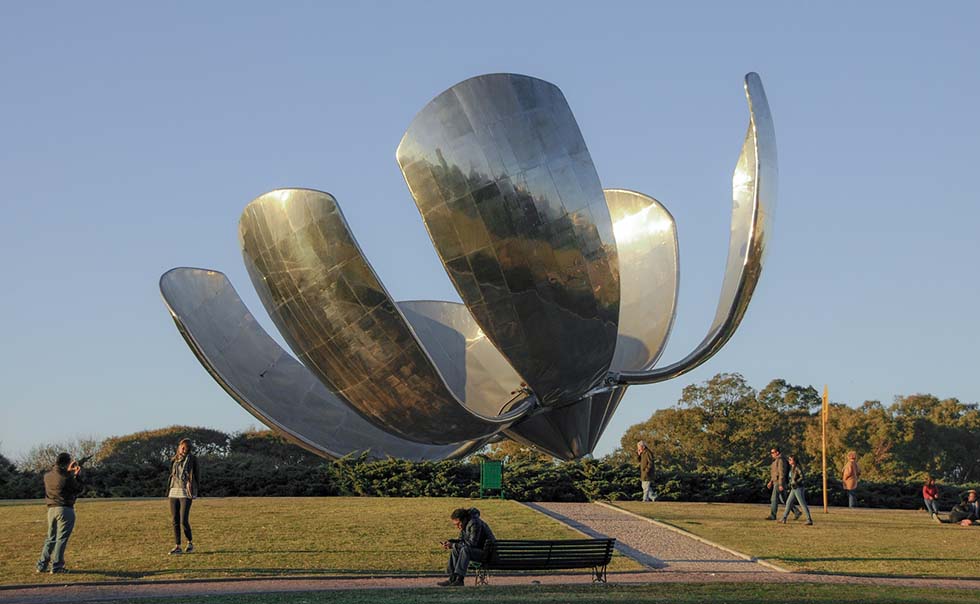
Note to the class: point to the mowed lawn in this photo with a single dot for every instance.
(250, 537)
(664, 593)
(854, 542)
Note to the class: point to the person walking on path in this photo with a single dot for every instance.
(797, 491)
(183, 489)
(852, 475)
(644, 456)
(62, 485)
(476, 542)
(930, 493)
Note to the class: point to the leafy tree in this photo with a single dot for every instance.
(158, 446)
(41, 457)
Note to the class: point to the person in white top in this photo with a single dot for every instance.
(183, 490)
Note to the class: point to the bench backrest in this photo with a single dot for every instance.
(568, 553)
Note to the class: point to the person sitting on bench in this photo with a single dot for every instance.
(475, 543)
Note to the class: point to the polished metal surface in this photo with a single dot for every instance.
(753, 204)
(337, 317)
(572, 431)
(570, 291)
(648, 269)
(510, 197)
(473, 368)
(269, 383)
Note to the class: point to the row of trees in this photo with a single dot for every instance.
(711, 446)
(725, 423)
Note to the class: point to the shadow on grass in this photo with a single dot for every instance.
(211, 574)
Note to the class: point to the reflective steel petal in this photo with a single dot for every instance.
(646, 238)
(510, 197)
(337, 317)
(472, 366)
(269, 383)
(754, 200)
(568, 432)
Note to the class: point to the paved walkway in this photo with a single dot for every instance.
(653, 545)
(672, 556)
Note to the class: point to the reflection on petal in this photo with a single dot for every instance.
(271, 385)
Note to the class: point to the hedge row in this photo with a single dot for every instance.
(239, 475)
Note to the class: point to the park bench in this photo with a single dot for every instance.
(513, 554)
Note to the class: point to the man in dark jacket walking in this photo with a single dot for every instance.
(476, 542)
(61, 487)
(778, 474)
(645, 458)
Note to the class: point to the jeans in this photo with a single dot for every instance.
(931, 506)
(796, 495)
(460, 556)
(775, 500)
(851, 498)
(181, 518)
(61, 521)
(648, 494)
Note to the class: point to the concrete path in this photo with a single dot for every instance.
(652, 544)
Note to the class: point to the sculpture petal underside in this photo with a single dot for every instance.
(473, 368)
(337, 317)
(753, 204)
(568, 432)
(269, 383)
(646, 240)
(511, 199)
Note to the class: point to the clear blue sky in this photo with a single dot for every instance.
(132, 135)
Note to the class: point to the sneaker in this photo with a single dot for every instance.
(448, 582)
(189, 548)
(176, 550)
(809, 523)
(41, 569)
(770, 517)
(783, 521)
(58, 571)
(797, 514)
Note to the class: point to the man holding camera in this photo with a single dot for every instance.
(61, 487)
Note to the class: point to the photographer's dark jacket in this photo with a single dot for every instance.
(61, 487)
(477, 534)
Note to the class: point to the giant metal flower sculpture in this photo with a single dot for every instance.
(569, 290)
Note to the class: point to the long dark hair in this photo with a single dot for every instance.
(190, 449)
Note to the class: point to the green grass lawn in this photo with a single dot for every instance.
(854, 542)
(715, 593)
(251, 537)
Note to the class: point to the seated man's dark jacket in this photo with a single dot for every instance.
(476, 534)
(61, 487)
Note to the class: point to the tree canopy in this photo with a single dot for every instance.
(724, 422)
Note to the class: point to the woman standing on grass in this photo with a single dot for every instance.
(183, 490)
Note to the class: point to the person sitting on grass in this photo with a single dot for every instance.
(930, 493)
(475, 542)
(966, 511)
(796, 491)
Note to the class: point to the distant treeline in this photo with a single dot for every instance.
(725, 423)
(262, 464)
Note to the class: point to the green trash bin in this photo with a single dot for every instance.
(492, 479)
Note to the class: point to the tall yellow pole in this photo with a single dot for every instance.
(823, 424)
